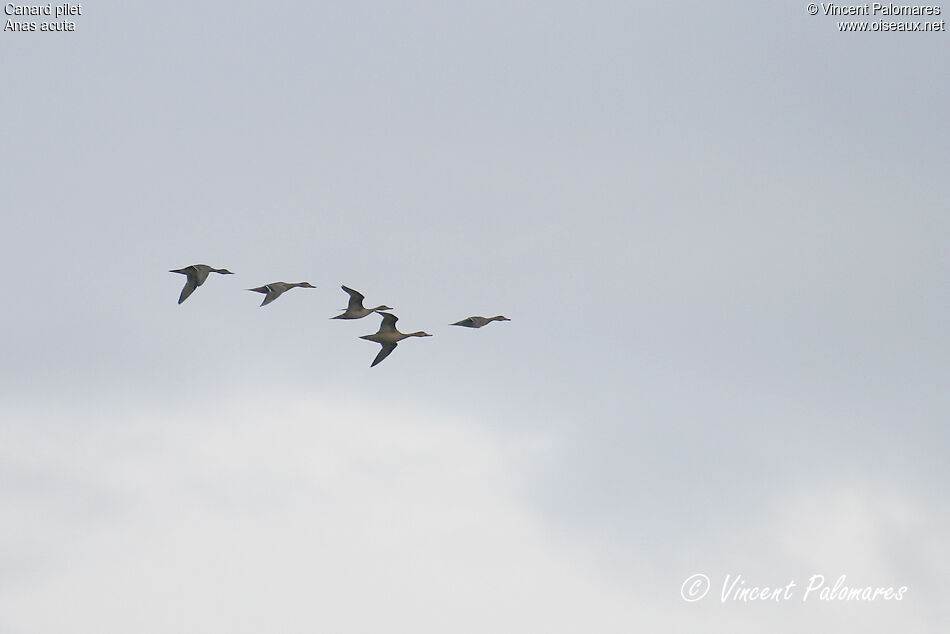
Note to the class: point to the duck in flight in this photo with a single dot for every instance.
(197, 274)
(354, 309)
(388, 336)
(276, 289)
(477, 321)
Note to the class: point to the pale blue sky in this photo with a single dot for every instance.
(720, 232)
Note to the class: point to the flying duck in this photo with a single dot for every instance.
(388, 336)
(354, 309)
(477, 321)
(197, 274)
(276, 289)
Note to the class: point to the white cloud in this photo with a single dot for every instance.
(295, 516)
(873, 534)
(287, 514)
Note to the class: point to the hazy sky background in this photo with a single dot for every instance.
(720, 232)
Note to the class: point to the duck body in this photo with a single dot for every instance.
(275, 289)
(388, 337)
(355, 309)
(478, 321)
(196, 274)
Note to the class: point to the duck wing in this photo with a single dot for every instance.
(384, 352)
(187, 290)
(389, 322)
(356, 298)
(190, 284)
(273, 292)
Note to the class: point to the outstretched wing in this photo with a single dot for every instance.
(389, 322)
(272, 294)
(384, 352)
(468, 323)
(190, 285)
(356, 298)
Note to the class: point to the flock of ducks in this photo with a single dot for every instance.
(387, 336)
